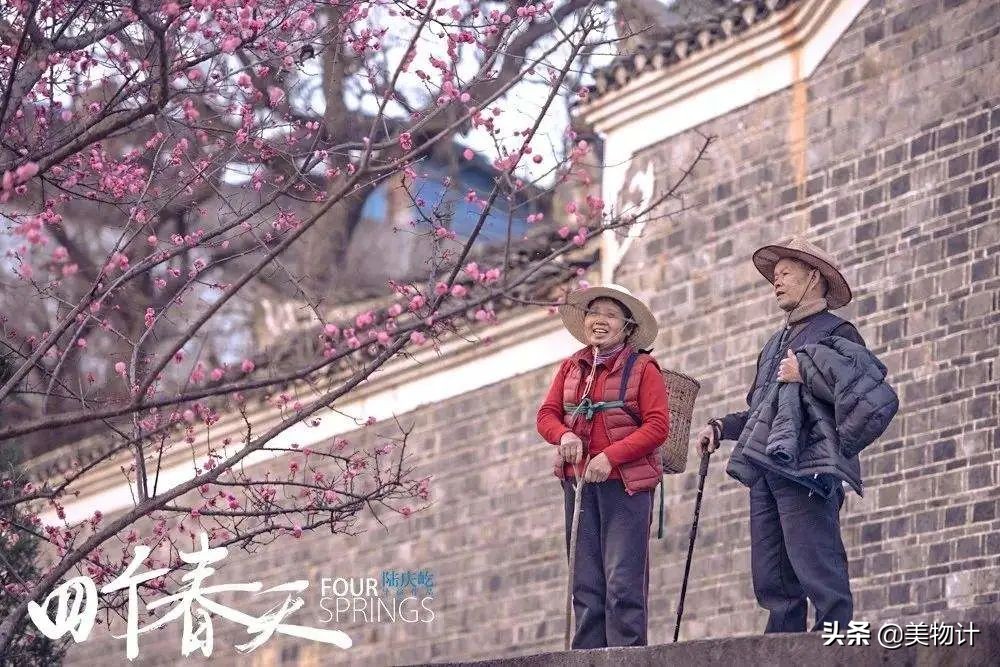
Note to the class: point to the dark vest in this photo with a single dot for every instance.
(811, 330)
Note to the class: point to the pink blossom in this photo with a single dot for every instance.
(331, 330)
(564, 231)
(405, 511)
(440, 289)
(297, 531)
(417, 302)
(120, 368)
(25, 172)
(395, 310)
(217, 374)
(458, 291)
(230, 44)
(468, 154)
(81, 343)
(247, 366)
(406, 141)
(275, 95)
(418, 338)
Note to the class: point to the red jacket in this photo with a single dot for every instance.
(642, 442)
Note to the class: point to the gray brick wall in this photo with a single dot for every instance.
(901, 184)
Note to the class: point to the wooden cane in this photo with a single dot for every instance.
(574, 527)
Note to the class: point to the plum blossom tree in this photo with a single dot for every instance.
(161, 161)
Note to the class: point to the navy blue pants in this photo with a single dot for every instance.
(796, 552)
(611, 581)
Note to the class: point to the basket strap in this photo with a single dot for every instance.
(629, 363)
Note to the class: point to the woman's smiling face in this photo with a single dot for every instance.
(604, 322)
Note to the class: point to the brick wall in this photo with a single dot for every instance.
(900, 182)
(901, 185)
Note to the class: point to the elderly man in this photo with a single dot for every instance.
(819, 397)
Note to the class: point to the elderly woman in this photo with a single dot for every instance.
(606, 412)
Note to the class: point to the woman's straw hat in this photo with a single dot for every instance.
(575, 308)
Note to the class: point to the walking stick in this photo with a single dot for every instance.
(577, 502)
(702, 474)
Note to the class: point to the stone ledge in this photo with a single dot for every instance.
(776, 650)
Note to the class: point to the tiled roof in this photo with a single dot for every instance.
(673, 45)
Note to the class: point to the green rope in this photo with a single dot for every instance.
(589, 408)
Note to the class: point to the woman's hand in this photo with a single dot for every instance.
(598, 469)
(571, 447)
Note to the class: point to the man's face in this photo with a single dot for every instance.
(791, 278)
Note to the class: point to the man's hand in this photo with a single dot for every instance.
(571, 447)
(707, 443)
(598, 469)
(788, 369)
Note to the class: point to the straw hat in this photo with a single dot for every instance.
(839, 292)
(574, 309)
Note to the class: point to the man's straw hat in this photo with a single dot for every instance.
(839, 292)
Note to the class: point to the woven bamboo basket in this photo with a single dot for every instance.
(682, 392)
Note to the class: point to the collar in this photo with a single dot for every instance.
(586, 356)
(807, 309)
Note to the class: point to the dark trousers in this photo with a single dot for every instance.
(796, 552)
(611, 580)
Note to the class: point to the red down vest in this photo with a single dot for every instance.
(643, 473)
